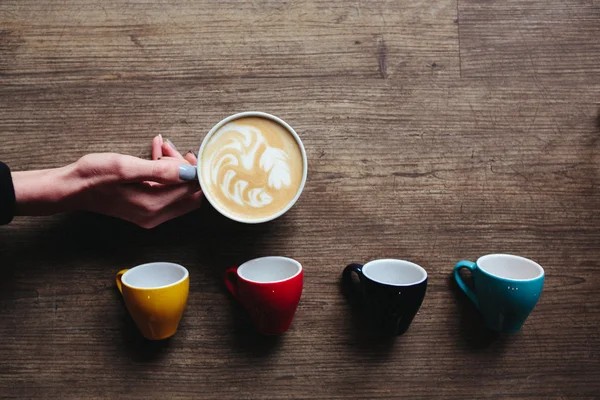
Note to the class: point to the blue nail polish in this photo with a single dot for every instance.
(187, 172)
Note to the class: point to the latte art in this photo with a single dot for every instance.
(247, 150)
(252, 166)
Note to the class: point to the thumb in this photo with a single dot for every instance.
(162, 171)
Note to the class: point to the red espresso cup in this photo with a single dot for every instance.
(269, 288)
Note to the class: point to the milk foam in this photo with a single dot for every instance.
(246, 153)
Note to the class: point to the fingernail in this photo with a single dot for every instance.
(192, 152)
(171, 144)
(161, 139)
(187, 172)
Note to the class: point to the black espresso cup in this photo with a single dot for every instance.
(391, 291)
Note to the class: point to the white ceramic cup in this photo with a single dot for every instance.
(262, 115)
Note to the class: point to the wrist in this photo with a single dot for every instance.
(45, 192)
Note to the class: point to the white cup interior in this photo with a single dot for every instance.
(507, 266)
(394, 272)
(269, 269)
(154, 275)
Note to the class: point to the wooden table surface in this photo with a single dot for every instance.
(436, 130)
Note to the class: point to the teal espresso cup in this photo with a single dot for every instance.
(506, 288)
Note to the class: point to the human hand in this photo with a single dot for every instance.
(166, 150)
(144, 192)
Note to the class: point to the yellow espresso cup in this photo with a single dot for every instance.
(155, 295)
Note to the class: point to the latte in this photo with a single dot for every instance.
(252, 168)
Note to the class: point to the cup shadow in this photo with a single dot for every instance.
(230, 244)
(364, 336)
(134, 345)
(474, 335)
(222, 243)
(204, 241)
(245, 340)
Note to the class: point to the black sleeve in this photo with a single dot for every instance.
(7, 195)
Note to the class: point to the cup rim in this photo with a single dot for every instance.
(294, 135)
(170, 264)
(395, 261)
(541, 272)
(255, 260)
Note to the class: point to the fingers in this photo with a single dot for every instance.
(187, 170)
(133, 169)
(169, 150)
(144, 192)
(182, 207)
(164, 148)
(157, 143)
(146, 206)
(191, 157)
(167, 159)
(156, 197)
(173, 159)
(150, 210)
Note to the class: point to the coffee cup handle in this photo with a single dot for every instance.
(118, 279)
(230, 280)
(347, 279)
(470, 265)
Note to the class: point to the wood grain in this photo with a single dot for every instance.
(530, 38)
(435, 131)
